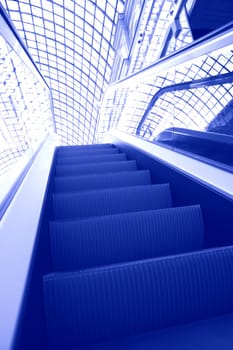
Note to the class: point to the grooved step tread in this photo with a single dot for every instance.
(95, 181)
(87, 153)
(214, 334)
(125, 237)
(111, 201)
(99, 304)
(64, 149)
(92, 158)
(90, 168)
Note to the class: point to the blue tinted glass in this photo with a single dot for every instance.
(25, 114)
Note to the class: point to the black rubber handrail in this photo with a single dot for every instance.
(175, 132)
(200, 157)
(219, 79)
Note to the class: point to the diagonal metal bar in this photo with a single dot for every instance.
(193, 84)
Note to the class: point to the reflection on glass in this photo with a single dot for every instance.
(25, 114)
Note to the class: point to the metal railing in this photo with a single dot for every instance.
(134, 86)
(219, 79)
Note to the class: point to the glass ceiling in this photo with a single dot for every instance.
(80, 48)
(72, 44)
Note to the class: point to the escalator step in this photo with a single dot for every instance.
(96, 181)
(99, 304)
(87, 152)
(111, 201)
(215, 333)
(64, 149)
(125, 237)
(91, 158)
(90, 168)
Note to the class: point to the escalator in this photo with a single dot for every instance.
(128, 244)
(130, 268)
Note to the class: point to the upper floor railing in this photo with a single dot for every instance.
(219, 79)
(165, 95)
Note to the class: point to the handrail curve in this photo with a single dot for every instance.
(219, 79)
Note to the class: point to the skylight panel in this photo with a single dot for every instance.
(99, 16)
(39, 24)
(107, 35)
(97, 36)
(15, 16)
(89, 18)
(29, 27)
(69, 35)
(89, 29)
(89, 7)
(47, 15)
(13, 5)
(101, 4)
(99, 26)
(107, 24)
(24, 8)
(79, 10)
(96, 45)
(50, 34)
(37, 11)
(110, 10)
